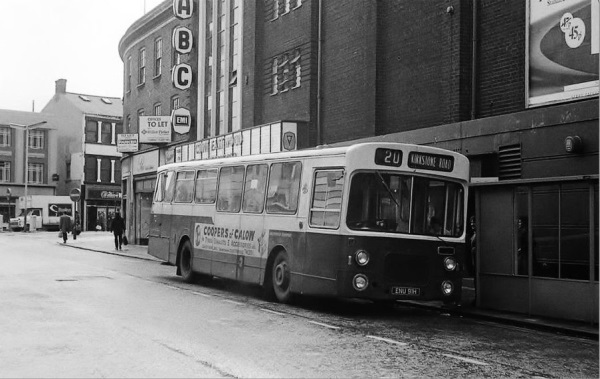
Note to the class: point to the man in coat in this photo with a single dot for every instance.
(118, 227)
(64, 225)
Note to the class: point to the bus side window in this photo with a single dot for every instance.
(231, 181)
(169, 187)
(206, 186)
(327, 199)
(254, 189)
(284, 188)
(159, 191)
(184, 187)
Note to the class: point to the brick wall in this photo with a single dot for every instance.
(501, 57)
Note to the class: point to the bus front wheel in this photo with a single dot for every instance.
(280, 277)
(185, 262)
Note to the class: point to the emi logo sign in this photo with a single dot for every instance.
(181, 119)
(289, 141)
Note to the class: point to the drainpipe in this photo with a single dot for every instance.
(474, 61)
(319, 69)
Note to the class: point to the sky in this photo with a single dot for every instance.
(42, 41)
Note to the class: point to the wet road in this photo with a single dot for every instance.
(74, 313)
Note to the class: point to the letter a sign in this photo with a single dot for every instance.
(183, 9)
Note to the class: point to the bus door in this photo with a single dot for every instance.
(160, 217)
(323, 241)
(251, 237)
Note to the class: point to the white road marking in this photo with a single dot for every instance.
(388, 340)
(324, 325)
(233, 302)
(201, 294)
(475, 362)
(270, 311)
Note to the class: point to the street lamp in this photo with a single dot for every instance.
(27, 128)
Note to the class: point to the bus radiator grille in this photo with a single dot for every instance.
(406, 269)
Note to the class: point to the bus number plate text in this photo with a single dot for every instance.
(406, 291)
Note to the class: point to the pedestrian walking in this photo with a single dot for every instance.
(118, 227)
(64, 225)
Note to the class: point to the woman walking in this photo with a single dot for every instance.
(118, 227)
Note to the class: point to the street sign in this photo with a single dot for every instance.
(75, 194)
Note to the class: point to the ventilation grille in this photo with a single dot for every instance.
(509, 162)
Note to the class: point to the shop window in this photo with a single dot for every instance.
(574, 231)
(254, 189)
(521, 233)
(327, 199)
(231, 180)
(184, 187)
(545, 231)
(284, 188)
(206, 186)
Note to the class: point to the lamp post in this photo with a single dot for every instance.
(8, 195)
(26, 175)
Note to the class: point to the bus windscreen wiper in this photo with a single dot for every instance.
(387, 188)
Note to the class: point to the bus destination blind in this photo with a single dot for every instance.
(434, 162)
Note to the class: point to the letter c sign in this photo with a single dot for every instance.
(182, 76)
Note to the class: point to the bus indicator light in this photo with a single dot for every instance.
(450, 264)
(447, 287)
(362, 257)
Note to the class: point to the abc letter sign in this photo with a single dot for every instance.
(182, 40)
(183, 9)
(182, 76)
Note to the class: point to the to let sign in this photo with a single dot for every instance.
(155, 129)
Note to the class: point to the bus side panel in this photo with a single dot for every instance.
(252, 248)
(218, 239)
(321, 262)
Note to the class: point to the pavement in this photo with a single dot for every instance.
(103, 242)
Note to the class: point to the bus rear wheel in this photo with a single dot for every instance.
(280, 277)
(185, 262)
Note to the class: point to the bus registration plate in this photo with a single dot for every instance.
(406, 291)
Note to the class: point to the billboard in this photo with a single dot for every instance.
(563, 50)
(155, 129)
(127, 142)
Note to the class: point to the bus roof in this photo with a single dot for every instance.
(353, 152)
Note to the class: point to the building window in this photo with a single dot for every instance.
(36, 139)
(35, 173)
(142, 67)
(4, 171)
(129, 68)
(174, 103)
(158, 57)
(275, 76)
(275, 9)
(68, 170)
(157, 109)
(286, 73)
(107, 128)
(296, 70)
(5, 137)
(91, 131)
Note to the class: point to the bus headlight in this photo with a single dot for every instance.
(447, 287)
(450, 264)
(362, 257)
(360, 282)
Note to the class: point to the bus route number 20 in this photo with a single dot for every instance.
(388, 157)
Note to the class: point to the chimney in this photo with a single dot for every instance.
(61, 86)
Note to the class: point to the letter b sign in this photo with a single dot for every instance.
(182, 40)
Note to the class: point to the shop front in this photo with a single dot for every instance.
(101, 204)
